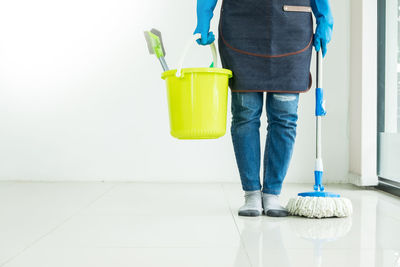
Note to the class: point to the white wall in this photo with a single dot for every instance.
(81, 99)
(363, 94)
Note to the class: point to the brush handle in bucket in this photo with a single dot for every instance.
(190, 43)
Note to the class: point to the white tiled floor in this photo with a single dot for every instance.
(154, 224)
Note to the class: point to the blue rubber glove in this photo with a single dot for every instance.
(205, 10)
(324, 18)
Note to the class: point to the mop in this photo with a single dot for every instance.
(319, 203)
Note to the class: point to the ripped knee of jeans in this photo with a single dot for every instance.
(284, 97)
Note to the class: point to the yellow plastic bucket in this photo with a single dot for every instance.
(197, 100)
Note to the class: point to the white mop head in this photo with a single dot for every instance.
(320, 207)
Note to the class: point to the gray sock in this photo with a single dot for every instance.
(272, 207)
(252, 205)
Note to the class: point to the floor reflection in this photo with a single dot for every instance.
(370, 237)
(320, 232)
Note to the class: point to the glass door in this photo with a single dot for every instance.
(389, 92)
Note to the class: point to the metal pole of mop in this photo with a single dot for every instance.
(318, 118)
(319, 112)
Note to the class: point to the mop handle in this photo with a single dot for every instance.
(319, 70)
(319, 112)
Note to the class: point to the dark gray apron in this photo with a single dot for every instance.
(267, 48)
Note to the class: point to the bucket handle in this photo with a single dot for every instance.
(187, 47)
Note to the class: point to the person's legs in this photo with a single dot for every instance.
(282, 122)
(246, 111)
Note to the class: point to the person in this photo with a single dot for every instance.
(267, 44)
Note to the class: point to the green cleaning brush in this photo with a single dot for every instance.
(155, 46)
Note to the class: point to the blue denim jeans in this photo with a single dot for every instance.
(282, 122)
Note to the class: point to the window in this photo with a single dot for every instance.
(389, 93)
